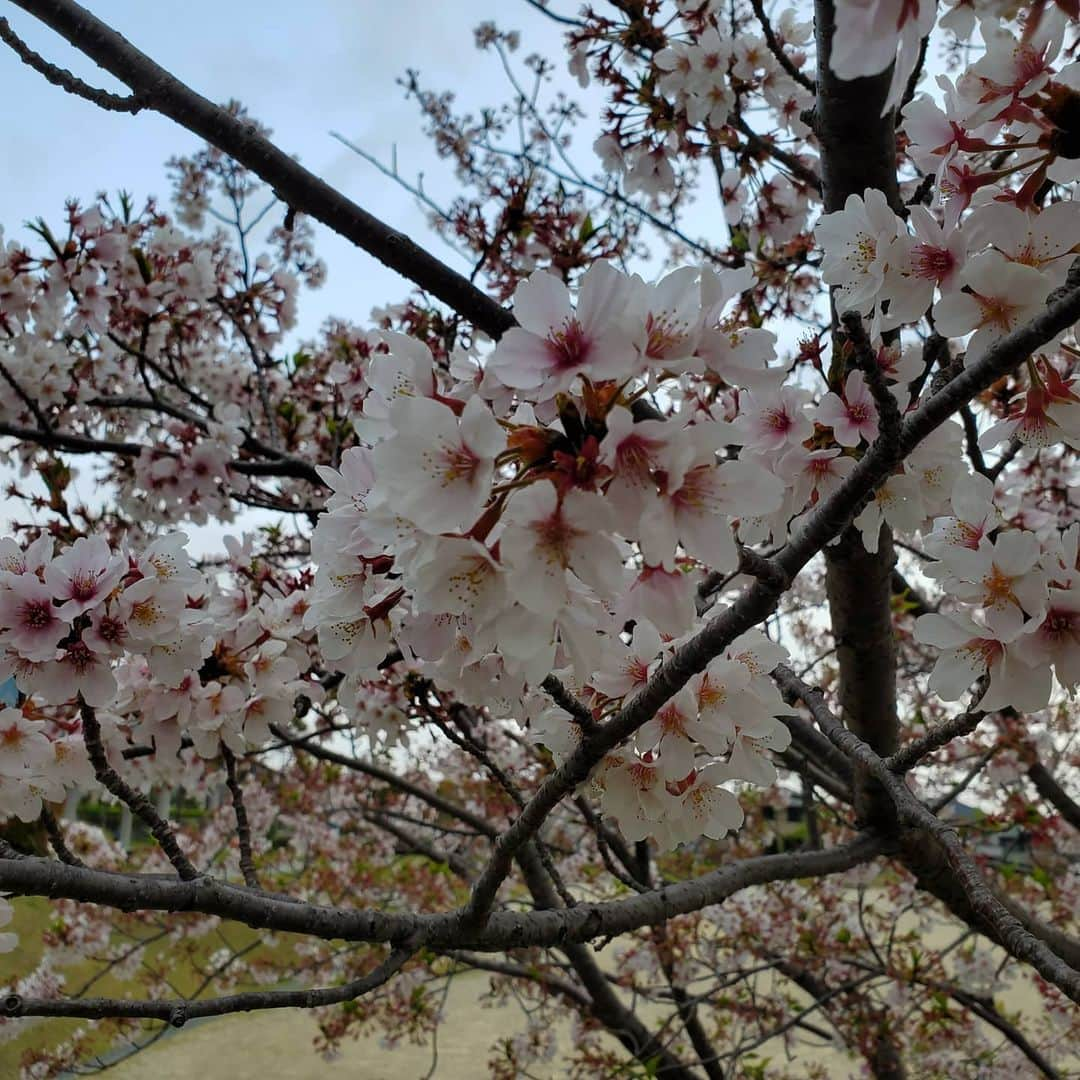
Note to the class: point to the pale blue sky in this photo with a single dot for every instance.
(302, 69)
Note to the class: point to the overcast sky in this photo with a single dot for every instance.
(302, 69)
(330, 65)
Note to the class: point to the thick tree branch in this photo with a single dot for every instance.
(158, 90)
(1003, 925)
(1054, 793)
(32, 876)
(138, 803)
(58, 76)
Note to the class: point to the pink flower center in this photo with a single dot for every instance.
(83, 587)
(569, 347)
(36, 614)
(777, 420)
(932, 263)
(1059, 624)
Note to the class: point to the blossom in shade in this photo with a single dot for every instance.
(29, 621)
(852, 417)
(84, 575)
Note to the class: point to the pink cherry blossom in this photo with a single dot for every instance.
(84, 575)
(29, 621)
(852, 417)
(556, 341)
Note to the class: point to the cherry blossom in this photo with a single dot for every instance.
(557, 341)
(1000, 296)
(856, 241)
(437, 472)
(547, 535)
(29, 622)
(852, 417)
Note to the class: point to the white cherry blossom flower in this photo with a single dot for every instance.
(84, 575)
(872, 35)
(555, 341)
(697, 513)
(969, 651)
(1001, 296)
(29, 621)
(1003, 578)
(856, 240)
(547, 535)
(852, 417)
(628, 668)
(932, 258)
(433, 470)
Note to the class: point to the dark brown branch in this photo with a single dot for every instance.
(1054, 793)
(178, 1013)
(52, 439)
(243, 828)
(762, 145)
(971, 441)
(1003, 925)
(58, 76)
(135, 800)
(162, 92)
(32, 876)
(74, 444)
(956, 727)
(566, 701)
(436, 802)
(56, 839)
(777, 49)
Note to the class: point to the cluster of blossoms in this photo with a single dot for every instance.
(161, 652)
(687, 91)
(152, 343)
(1018, 594)
(696, 76)
(511, 517)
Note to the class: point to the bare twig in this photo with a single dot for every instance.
(243, 828)
(139, 804)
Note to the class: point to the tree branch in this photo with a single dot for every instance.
(1006, 929)
(33, 876)
(58, 76)
(139, 804)
(178, 1013)
(157, 89)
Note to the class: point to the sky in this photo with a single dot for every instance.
(329, 65)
